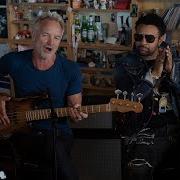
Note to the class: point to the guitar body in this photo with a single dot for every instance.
(16, 110)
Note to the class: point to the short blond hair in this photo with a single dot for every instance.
(49, 16)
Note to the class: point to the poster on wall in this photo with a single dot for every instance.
(3, 23)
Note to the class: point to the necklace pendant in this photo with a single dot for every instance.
(163, 104)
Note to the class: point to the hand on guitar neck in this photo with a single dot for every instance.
(76, 114)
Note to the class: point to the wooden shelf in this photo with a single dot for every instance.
(104, 46)
(99, 88)
(29, 42)
(62, 6)
(3, 40)
(98, 10)
(22, 22)
(92, 70)
(104, 75)
(90, 90)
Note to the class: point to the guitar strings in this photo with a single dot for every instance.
(17, 119)
(46, 112)
(28, 116)
(20, 114)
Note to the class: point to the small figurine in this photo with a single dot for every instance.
(134, 10)
(23, 34)
(87, 4)
(110, 4)
(96, 5)
(103, 4)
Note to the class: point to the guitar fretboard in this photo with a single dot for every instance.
(62, 112)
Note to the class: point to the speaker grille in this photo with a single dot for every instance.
(95, 121)
(98, 158)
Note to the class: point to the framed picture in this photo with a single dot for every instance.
(3, 23)
(134, 10)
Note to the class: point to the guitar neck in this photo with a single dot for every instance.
(20, 111)
(63, 112)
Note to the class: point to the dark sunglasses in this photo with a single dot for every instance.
(149, 37)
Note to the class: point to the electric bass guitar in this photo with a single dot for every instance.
(21, 111)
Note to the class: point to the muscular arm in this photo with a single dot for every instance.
(74, 99)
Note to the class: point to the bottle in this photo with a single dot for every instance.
(84, 29)
(29, 14)
(105, 28)
(98, 25)
(103, 4)
(77, 25)
(123, 35)
(91, 30)
(113, 30)
(128, 35)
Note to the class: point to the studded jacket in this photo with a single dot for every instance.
(130, 73)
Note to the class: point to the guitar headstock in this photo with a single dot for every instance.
(126, 105)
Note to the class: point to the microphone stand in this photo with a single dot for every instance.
(54, 118)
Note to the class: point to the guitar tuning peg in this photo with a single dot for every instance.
(125, 94)
(139, 96)
(117, 92)
(132, 96)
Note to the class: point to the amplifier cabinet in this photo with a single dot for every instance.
(97, 159)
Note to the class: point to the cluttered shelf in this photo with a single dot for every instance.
(98, 81)
(105, 31)
(21, 17)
